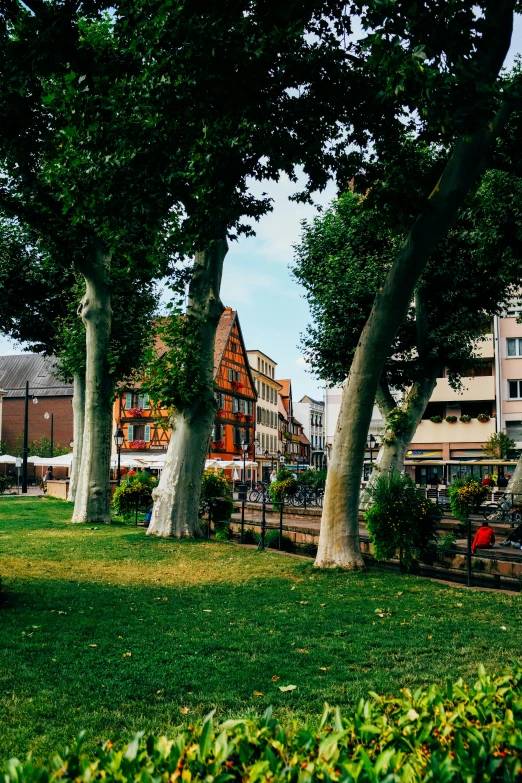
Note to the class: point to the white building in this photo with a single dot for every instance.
(263, 372)
(310, 413)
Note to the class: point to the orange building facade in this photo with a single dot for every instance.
(146, 425)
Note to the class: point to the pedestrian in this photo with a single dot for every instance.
(48, 476)
(484, 537)
(273, 476)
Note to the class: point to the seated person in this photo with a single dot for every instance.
(502, 481)
(488, 481)
(484, 537)
(514, 538)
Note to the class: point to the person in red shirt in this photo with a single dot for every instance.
(484, 537)
(487, 481)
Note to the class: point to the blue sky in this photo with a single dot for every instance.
(257, 281)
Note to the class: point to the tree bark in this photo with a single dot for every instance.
(515, 482)
(176, 498)
(79, 421)
(92, 502)
(339, 544)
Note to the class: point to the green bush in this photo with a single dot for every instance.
(249, 536)
(313, 478)
(466, 496)
(6, 482)
(272, 541)
(400, 519)
(285, 485)
(130, 489)
(216, 488)
(454, 734)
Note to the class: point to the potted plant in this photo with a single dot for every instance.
(451, 419)
(465, 418)
(483, 417)
(221, 412)
(436, 419)
(137, 444)
(135, 412)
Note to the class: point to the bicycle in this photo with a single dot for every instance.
(256, 494)
(503, 511)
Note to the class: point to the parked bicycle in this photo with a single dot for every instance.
(503, 511)
(257, 493)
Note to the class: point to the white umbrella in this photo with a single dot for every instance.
(64, 461)
(6, 459)
(235, 475)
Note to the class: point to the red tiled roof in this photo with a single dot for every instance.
(226, 322)
(285, 390)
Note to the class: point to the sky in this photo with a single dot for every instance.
(257, 278)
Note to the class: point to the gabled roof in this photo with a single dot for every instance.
(307, 398)
(225, 325)
(41, 372)
(285, 387)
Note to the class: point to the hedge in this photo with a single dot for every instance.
(455, 733)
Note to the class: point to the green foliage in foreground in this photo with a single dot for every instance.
(457, 733)
(130, 490)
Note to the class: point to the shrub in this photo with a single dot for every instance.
(272, 541)
(498, 445)
(483, 417)
(130, 489)
(249, 536)
(436, 419)
(285, 485)
(447, 734)
(465, 418)
(401, 519)
(217, 489)
(222, 530)
(6, 482)
(451, 419)
(466, 496)
(313, 478)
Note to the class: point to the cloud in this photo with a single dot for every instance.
(302, 362)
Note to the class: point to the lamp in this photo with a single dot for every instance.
(50, 416)
(119, 438)
(371, 443)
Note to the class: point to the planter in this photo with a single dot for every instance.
(136, 412)
(436, 419)
(221, 412)
(483, 417)
(219, 445)
(465, 418)
(451, 419)
(137, 444)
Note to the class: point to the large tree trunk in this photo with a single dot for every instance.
(92, 502)
(176, 498)
(79, 421)
(515, 482)
(339, 544)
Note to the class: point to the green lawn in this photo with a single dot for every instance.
(111, 631)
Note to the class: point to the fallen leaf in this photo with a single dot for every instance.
(430, 637)
(459, 604)
(323, 669)
(165, 599)
(286, 688)
(503, 628)
(303, 651)
(62, 612)
(275, 678)
(158, 691)
(207, 610)
(304, 602)
(258, 693)
(400, 592)
(126, 655)
(323, 604)
(184, 710)
(93, 645)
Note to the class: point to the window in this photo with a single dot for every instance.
(144, 401)
(235, 405)
(515, 390)
(258, 415)
(514, 430)
(128, 400)
(263, 441)
(139, 432)
(250, 407)
(238, 376)
(263, 392)
(237, 436)
(514, 346)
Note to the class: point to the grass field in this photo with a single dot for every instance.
(108, 630)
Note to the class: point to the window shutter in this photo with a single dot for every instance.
(250, 407)
(128, 400)
(147, 433)
(258, 415)
(223, 400)
(130, 432)
(231, 375)
(235, 407)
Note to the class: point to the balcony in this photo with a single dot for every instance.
(472, 431)
(485, 348)
(481, 388)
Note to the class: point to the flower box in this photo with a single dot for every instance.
(219, 445)
(436, 419)
(221, 412)
(135, 412)
(483, 417)
(465, 418)
(239, 415)
(137, 444)
(451, 419)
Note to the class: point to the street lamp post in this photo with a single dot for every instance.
(119, 438)
(266, 455)
(51, 416)
(371, 443)
(244, 447)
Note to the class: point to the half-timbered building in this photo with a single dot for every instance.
(146, 425)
